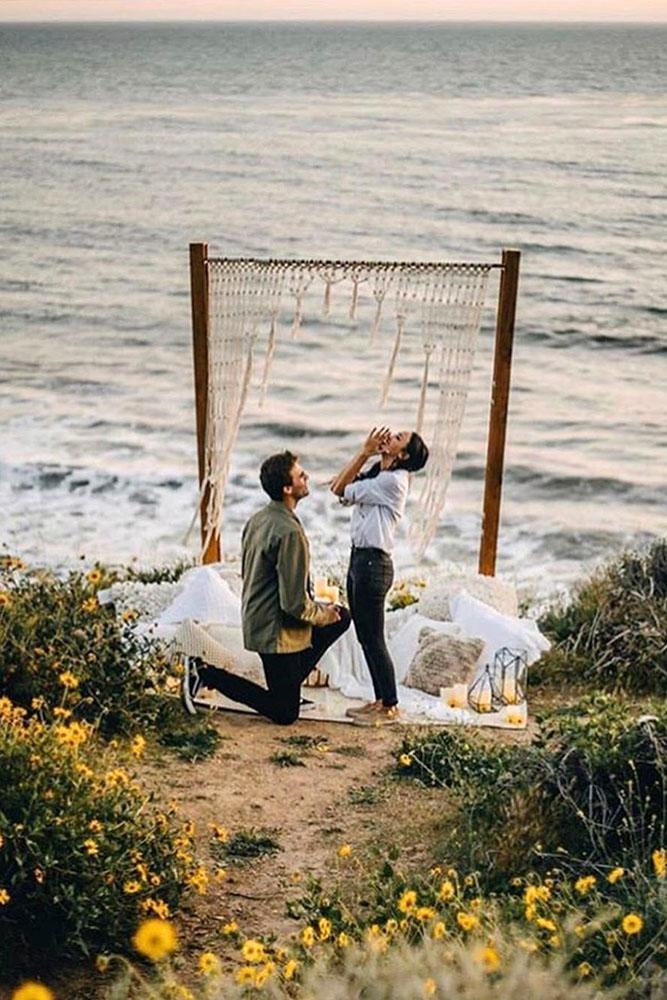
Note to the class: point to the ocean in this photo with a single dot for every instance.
(120, 144)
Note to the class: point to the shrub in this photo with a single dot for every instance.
(613, 631)
(477, 970)
(58, 643)
(590, 791)
(83, 852)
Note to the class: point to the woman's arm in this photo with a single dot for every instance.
(371, 446)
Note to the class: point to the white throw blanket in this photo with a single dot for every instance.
(202, 617)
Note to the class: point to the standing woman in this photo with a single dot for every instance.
(378, 497)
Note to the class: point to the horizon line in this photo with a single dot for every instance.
(335, 21)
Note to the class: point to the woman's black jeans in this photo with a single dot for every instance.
(369, 580)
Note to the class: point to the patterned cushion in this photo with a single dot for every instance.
(442, 660)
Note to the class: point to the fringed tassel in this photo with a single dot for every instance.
(422, 394)
(378, 319)
(326, 305)
(355, 299)
(200, 497)
(392, 362)
(268, 359)
(298, 316)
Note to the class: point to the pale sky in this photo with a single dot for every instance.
(426, 10)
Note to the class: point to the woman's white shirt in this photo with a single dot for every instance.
(379, 504)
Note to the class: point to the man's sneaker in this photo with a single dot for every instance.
(368, 709)
(380, 717)
(191, 684)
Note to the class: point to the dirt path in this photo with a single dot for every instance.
(309, 809)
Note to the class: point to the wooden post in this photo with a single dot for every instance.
(502, 369)
(199, 301)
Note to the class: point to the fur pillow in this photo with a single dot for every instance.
(490, 590)
(442, 660)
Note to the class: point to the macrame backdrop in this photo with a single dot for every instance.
(438, 305)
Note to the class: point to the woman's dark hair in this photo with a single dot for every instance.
(417, 454)
(276, 473)
(416, 460)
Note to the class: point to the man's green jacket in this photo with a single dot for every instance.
(278, 612)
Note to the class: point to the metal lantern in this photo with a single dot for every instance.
(484, 695)
(510, 674)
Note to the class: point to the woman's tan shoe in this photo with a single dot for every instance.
(382, 716)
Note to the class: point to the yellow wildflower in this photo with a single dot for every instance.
(467, 921)
(209, 964)
(91, 847)
(199, 880)
(632, 924)
(4, 897)
(68, 680)
(342, 940)
(189, 829)
(130, 615)
(90, 605)
(536, 893)
(37, 703)
(102, 963)
(585, 969)
(324, 928)
(489, 958)
(290, 969)
(430, 987)
(93, 576)
(446, 891)
(156, 906)
(131, 887)
(555, 941)
(344, 851)
(245, 976)
(138, 745)
(5, 599)
(155, 939)
(439, 931)
(230, 928)
(408, 901)
(584, 884)
(615, 874)
(263, 974)
(95, 826)
(220, 874)
(405, 760)
(425, 913)
(659, 859)
(253, 951)
(220, 833)
(391, 927)
(32, 991)
(308, 937)
(546, 925)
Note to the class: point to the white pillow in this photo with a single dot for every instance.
(435, 601)
(497, 630)
(205, 597)
(219, 646)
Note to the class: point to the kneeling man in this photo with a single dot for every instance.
(281, 621)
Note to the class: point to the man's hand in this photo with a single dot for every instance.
(331, 615)
(375, 441)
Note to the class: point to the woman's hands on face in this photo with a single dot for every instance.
(376, 441)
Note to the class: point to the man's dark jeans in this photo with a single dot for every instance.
(369, 580)
(284, 672)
